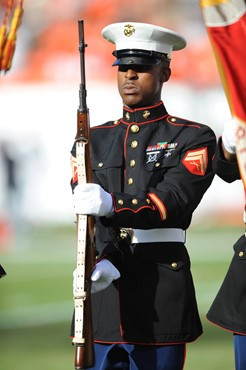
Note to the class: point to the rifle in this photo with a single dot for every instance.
(83, 331)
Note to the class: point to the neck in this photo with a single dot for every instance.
(141, 106)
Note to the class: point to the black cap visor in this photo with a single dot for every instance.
(138, 57)
(135, 61)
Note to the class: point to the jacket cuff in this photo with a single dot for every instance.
(127, 202)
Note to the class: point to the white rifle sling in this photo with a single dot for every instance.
(79, 289)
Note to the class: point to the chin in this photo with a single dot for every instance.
(132, 103)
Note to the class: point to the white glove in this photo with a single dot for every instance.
(103, 275)
(229, 136)
(92, 199)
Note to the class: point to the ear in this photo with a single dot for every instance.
(166, 73)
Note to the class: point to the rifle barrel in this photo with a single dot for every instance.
(84, 346)
(82, 46)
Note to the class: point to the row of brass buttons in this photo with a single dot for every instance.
(134, 201)
(134, 144)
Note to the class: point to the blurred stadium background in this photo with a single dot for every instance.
(38, 103)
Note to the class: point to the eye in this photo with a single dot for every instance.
(137, 68)
(123, 68)
(143, 68)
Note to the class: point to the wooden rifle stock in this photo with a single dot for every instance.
(83, 331)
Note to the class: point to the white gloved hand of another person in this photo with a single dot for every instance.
(103, 275)
(92, 199)
(229, 136)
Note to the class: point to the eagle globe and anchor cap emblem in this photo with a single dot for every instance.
(128, 30)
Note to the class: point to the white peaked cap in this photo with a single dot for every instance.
(143, 36)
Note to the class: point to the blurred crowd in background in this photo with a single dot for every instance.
(39, 99)
(47, 38)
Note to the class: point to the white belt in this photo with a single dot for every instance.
(158, 235)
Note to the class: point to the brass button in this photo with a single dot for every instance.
(157, 164)
(148, 201)
(128, 116)
(174, 265)
(100, 164)
(132, 163)
(130, 181)
(173, 119)
(134, 201)
(146, 114)
(120, 202)
(241, 254)
(134, 144)
(134, 129)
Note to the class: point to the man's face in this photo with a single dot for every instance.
(140, 85)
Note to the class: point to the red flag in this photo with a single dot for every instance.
(225, 21)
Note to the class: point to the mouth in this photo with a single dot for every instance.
(129, 88)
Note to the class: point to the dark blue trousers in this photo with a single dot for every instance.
(139, 357)
(240, 351)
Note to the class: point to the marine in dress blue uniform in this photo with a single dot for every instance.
(151, 170)
(229, 306)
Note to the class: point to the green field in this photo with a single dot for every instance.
(36, 299)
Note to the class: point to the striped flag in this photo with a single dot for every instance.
(225, 21)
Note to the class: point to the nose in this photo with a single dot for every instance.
(131, 74)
